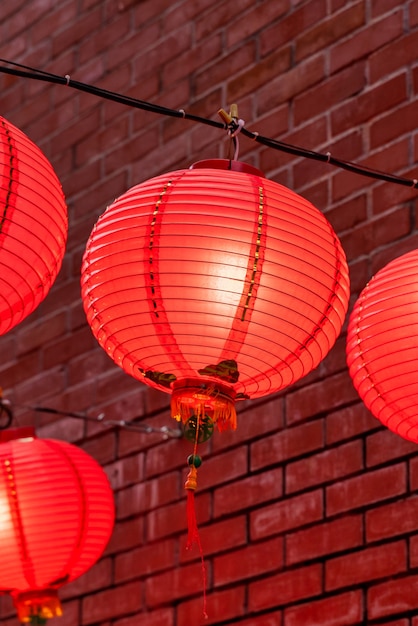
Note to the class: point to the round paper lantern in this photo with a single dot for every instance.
(56, 517)
(382, 346)
(33, 226)
(214, 284)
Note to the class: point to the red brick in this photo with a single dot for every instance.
(175, 584)
(161, 617)
(116, 601)
(248, 492)
(369, 104)
(222, 605)
(287, 444)
(393, 57)
(323, 467)
(126, 471)
(185, 11)
(75, 31)
(104, 40)
(291, 82)
(144, 496)
(222, 468)
(102, 448)
(184, 64)
(218, 538)
(382, 230)
(35, 335)
(366, 489)
(126, 535)
(252, 561)
(340, 610)
(216, 17)
(314, 399)
(413, 472)
(258, 74)
(97, 577)
(366, 40)
(385, 446)
(16, 372)
(286, 587)
(272, 619)
(171, 519)
(286, 515)
(413, 551)
(254, 19)
(309, 135)
(384, 197)
(391, 159)
(324, 539)
(67, 347)
(254, 420)
(327, 31)
(365, 565)
(414, 13)
(349, 422)
(392, 519)
(394, 596)
(145, 560)
(288, 28)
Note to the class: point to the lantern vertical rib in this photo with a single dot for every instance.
(256, 253)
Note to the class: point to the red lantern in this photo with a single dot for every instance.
(382, 346)
(214, 284)
(56, 517)
(33, 226)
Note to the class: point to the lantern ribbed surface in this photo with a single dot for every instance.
(211, 274)
(56, 514)
(33, 226)
(382, 346)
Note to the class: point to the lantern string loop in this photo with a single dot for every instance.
(25, 71)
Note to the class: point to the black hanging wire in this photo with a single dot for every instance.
(25, 71)
(6, 419)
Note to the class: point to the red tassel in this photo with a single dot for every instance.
(193, 536)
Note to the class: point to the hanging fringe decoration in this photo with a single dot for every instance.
(194, 461)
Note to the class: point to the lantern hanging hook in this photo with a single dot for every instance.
(6, 414)
(233, 125)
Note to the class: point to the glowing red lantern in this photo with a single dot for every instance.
(382, 346)
(33, 226)
(214, 284)
(56, 517)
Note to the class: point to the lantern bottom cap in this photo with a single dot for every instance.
(36, 605)
(203, 397)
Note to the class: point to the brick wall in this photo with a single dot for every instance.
(309, 512)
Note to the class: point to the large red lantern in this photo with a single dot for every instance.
(33, 226)
(214, 284)
(56, 517)
(382, 346)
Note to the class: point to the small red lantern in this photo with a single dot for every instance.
(33, 226)
(56, 517)
(214, 284)
(382, 346)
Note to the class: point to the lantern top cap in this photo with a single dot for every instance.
(27, 432)
(227, 164)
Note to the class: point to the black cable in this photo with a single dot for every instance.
(131, 425)
(28, 72)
